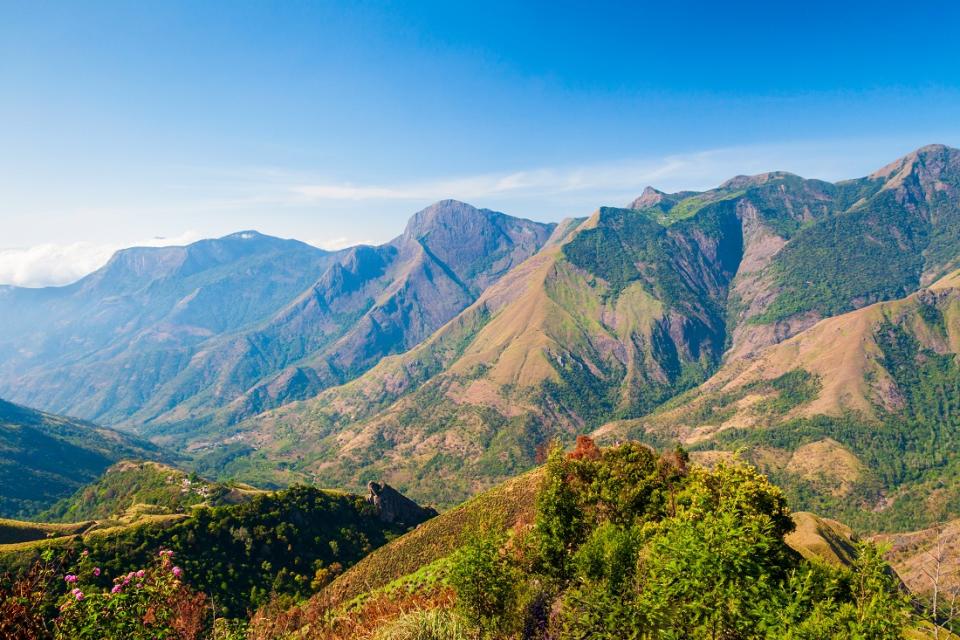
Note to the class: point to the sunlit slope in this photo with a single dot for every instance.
(858, 411)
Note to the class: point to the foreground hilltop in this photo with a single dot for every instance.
(609, 544)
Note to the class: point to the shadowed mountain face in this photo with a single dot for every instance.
(223, 328)
(616, 315)
(44, 457)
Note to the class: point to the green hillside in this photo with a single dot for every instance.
(287, 543)
(128, 488)
(855, 417)
(44, 457)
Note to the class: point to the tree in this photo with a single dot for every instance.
(559, 525)
(486, 582)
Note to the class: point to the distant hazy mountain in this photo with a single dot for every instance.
(616, 315)
(44, 457)
(224, 328)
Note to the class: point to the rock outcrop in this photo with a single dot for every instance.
(393, 506)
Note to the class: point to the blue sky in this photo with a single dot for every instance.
(333, 122)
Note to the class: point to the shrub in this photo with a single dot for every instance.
(26, 601)
(148, 604)
(486, 582)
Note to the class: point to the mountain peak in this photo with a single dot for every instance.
(932, 160)
(649, 198)
(249, 234)
(441, 212)
(744, 182)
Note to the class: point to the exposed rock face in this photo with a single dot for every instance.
(393, 506)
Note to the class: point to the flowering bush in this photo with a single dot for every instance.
(148, 604)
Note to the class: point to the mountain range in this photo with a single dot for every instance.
(225, 328)
(623, 311)
(810, 326)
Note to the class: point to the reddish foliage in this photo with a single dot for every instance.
(190, 614)
(586, 449)
(25, 602)
(542, 452)
(325, 623)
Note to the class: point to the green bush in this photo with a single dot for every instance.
(148, 604)
(486, 582)
(629, 544)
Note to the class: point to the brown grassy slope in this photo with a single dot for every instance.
(502, 507)
(821, 538)
(18, 531)
(916, 555)
(842, 352)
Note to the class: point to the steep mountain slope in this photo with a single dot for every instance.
(44, 457)
(372, 302)
(927, 559)
(614, 316)
(101, 347)
(224, 328)
(855, 416)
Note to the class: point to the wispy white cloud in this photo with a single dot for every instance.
(55, 264)
(696, 170)
(527, 183)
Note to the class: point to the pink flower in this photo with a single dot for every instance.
(96, 571)
(77, 594)
(116, 589)
(85, 553)
(70, 578)
(141, 573)
(177, 571)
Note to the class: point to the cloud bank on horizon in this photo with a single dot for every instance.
(51, 264)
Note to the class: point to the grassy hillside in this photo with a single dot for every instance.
(855, 417)
(128, 488)
(505, 507)
(44, 457)
(19, 531)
